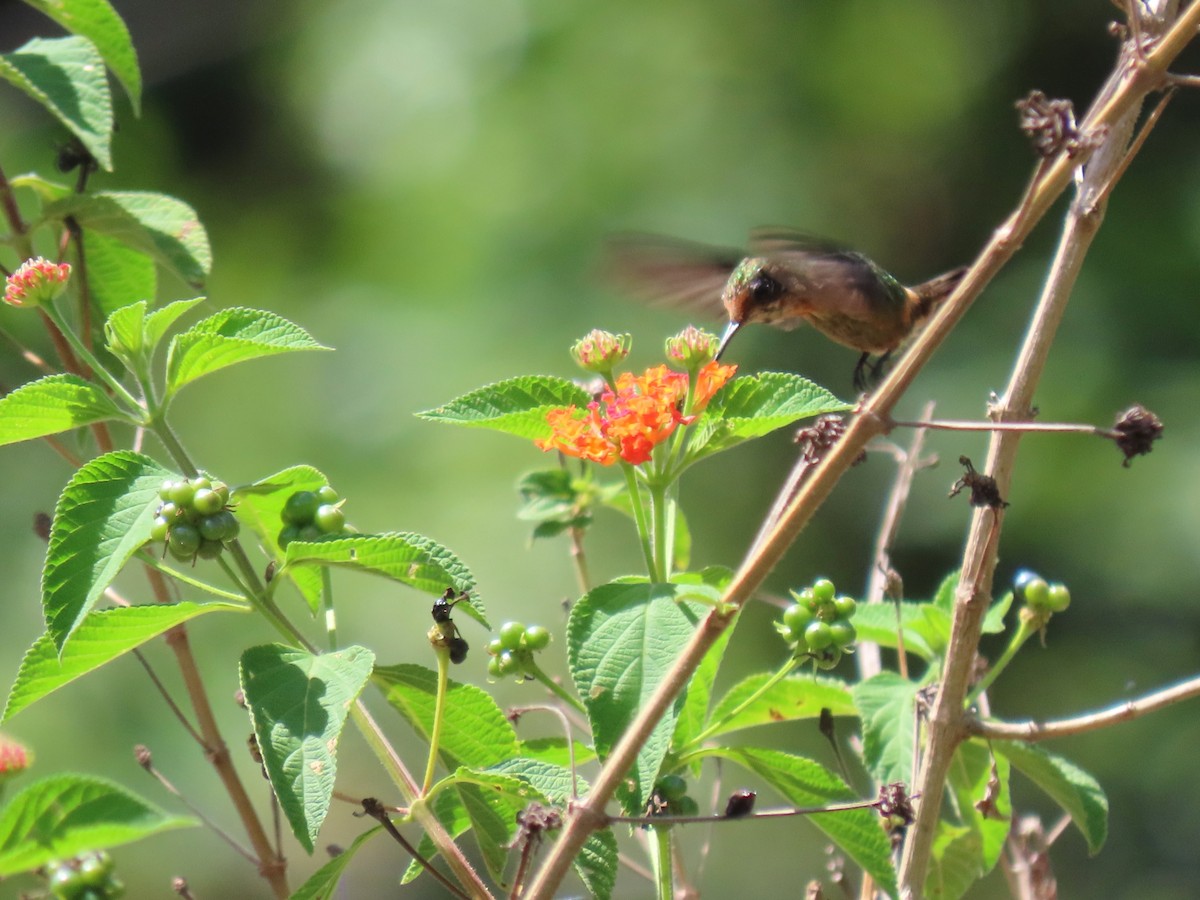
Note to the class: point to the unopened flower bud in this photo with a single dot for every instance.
(14, 758)
(35, 282)
(692, 348)
(599, 350)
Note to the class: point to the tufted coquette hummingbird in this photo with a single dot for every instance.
(785, 279)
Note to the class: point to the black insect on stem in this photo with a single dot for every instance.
(445, 632)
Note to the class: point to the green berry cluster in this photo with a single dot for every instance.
(1042, 597)
(818, 624)
(310, 515)
(86, 877)
(670, 798)
(194, 518)
(512, 650)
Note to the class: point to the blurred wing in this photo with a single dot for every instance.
(773, 240)
(826, 264)
(664, 271)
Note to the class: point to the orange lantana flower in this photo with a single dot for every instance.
(629, 422)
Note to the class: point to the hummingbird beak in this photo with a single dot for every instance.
(730, 330)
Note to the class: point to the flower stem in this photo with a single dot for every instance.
(640, 520)
(89, 358)
(439, 715)
(660, 854)
(1024, 632)
(783, 672)
(555, 688)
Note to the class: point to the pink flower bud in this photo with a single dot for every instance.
(35, 282)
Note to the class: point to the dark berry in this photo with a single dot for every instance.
(458, 649)
(183, 539)
(300, 508)
(222, 526)
(287, 534)
(209, 549)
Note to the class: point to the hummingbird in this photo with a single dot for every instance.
(784, 279)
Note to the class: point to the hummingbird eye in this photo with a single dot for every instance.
(764, 288)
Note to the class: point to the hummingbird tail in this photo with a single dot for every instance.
(932, 292)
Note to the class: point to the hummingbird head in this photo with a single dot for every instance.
(752, 294)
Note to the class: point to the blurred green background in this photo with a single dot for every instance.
(425, 187)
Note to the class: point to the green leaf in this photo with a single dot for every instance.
(66, 76)
(975, 783)
(554, 750)
(885, 704)
(448, 808)
(926, 627)
(117, 274)
(298, 704)
(1077, 792)
(492, 802)
(517, 406)
(804, 783)
(753, 405)
(162, 227)
(621, 640)
(228, 337)
(102, 518)
(597, 863)
(954, 862)
(52, 405)
(97, 21)
(102, 636)
(693, 712)
(476, 734)
(411, 559)
(795, 697)
(124, 331)
(258, 507)
(322, 885)
(160, 320)
(993, 622)
(65, 815)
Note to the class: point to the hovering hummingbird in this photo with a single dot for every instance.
(785, 279)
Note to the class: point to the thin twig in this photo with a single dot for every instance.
(376, 810)
(166, 695)
(1023, 427)
(518, 711)
(1034, 730)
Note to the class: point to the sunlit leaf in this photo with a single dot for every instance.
(886, 705)
(52, 405)
(517, 406)
(1077, 792)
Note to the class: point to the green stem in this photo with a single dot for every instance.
(166, 434)
(662, 510)
(1025, 630)
(439, 710)
(714, 727)
(660, 855)
(640, 519)
(87, 356)
(555, 688)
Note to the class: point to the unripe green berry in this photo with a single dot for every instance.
(511, 634)
(494, 647)
(169, 511)
(818, 635)
(844, 634)
(493, 667)
(183, 539)
(206, 501)
(310, 533)
(797, 617)
(685, 806)
(327, 494)
(222, 491)
(1058, 598)
(537, 637)
(845, 607)
(671, 788)
(209, 549)
(1036, 593)
(329, 518)
(222, 526)
(823, 590)
(182, 493)
(287, 534)
(828, 658)
(300, 508)
(164, 490)
(159, 529)
(508, 663)
(806, 598)
(200, 483)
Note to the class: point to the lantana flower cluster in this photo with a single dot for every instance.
(36, 281)
(635, 413)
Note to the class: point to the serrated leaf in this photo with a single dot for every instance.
(47, 190)
(693, 712)
(554, 750)
(162, 227)
(117, 274)
(97, 21)
(1077, 792)
(322, 885)
(954, 862)
(805, 783)
(597, 863)
(102, 518)
(516, 406)
(886, 706)
(298, 704)
(970, 781)
(52, 405)
(66, 76)
(228, 337)
(124, 330)
(411, 559)
(258, 507)
(621, 640)
(993, 622)
(792, 698)
(926, 627)
(161, 319)
(102, 636)
(64, 815)
(477, 734)
(753, 405)
(492, 802)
